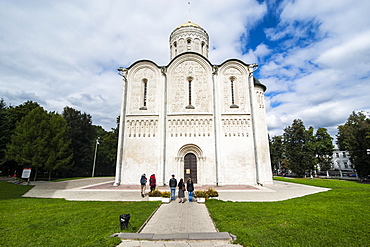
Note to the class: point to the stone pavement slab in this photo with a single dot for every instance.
(179, 243)
(188, 217)
(176, 236)
(210, 236)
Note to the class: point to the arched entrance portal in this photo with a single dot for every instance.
(190, 159)
(190, 167)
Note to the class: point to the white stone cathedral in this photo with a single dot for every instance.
(192, 118)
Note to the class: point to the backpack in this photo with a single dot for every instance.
(143, 180)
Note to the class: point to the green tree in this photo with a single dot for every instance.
(59, 145)
(354, 136)
(324, 149)
(294, 145)
(106, 161)
(309, 149)
(29, 144)
(83, 139)
(276, 152)
(40, 140)
(5, 131)
(10, 117)
(18, 112)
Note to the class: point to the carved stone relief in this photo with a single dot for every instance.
(235, 127)
(190, 127)
(179, 88)
(142, 127)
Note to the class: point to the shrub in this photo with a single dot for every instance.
(200, 194)
(155, 193)
(211, 193)
(166, 194)
(205, 193)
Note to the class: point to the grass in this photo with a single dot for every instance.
(57, 222)
(339, 217)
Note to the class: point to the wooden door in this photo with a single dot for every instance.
(190, 167)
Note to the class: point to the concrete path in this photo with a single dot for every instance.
(174, 217)
(178, 224)
(102, 189)
(173, 224)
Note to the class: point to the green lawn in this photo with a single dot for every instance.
(339, 217)
(57, 222)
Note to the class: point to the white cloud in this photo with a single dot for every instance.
(323, 81)
(65, 53)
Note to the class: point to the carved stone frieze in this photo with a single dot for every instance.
(236, 127)
(190, 127)
(141, 127)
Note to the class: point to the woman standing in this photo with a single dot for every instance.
(181, 194)
(152, 182)
(190, 187)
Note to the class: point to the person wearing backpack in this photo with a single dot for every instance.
(143, 184)
(152, 182)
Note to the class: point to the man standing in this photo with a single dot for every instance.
(173, 184)
(143, 184)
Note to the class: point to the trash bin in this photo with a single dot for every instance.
(124, 220)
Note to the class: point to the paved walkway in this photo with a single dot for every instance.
(195, 219)
(102, 189)
(173, 224)
(178, 224)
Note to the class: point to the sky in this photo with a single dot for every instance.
(313, 55)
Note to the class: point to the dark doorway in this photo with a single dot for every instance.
(190, 167)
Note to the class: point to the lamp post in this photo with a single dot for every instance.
(96, 149)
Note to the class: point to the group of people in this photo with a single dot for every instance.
(152, 183)
(182, 187)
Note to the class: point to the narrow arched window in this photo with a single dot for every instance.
(189, 44)
(190, 79)
(145, 92)
(175, 48)
(233, 105)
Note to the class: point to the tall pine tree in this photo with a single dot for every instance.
(82, 134)
(60, 146)
(295, 137)
(29, 145)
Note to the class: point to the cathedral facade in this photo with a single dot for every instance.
(192, 118)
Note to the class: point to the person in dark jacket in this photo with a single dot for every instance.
(181, 191)
(152, 182)
(143, 184)
(190, 188)
(173, 184)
